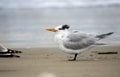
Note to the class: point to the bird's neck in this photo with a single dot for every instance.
(62, 34)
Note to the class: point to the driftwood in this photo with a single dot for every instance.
(107, 53)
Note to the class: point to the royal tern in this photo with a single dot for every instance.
(6, 52)
(75, 42)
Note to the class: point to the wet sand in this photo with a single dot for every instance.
(51, 62)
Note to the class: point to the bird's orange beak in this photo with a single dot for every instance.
(52, 29)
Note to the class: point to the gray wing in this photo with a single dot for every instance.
(76, 36)
(2, 48)
(78, 41)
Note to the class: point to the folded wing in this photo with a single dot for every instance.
(79, 40)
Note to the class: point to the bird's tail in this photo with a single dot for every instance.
(14, 51)
(102, 36)
(11, 51)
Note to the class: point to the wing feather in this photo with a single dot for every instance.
(78, 41)
(2, 48)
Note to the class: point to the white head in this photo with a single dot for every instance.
(59, 28)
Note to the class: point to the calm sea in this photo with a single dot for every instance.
(26, 27)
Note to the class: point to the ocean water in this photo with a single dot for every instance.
(55, 3)
(25, 27)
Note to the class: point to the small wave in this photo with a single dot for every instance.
(55, 3)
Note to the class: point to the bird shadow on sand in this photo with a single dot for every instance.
(78, 60)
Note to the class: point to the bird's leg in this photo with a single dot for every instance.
(74, 58)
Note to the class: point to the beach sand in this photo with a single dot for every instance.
(51, 62)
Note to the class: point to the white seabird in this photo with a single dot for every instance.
(75, 42)
(6, 52)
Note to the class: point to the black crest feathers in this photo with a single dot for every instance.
(64, 27)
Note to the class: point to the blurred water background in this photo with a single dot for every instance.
(23, 22)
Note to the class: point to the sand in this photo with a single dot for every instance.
(51, 62)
